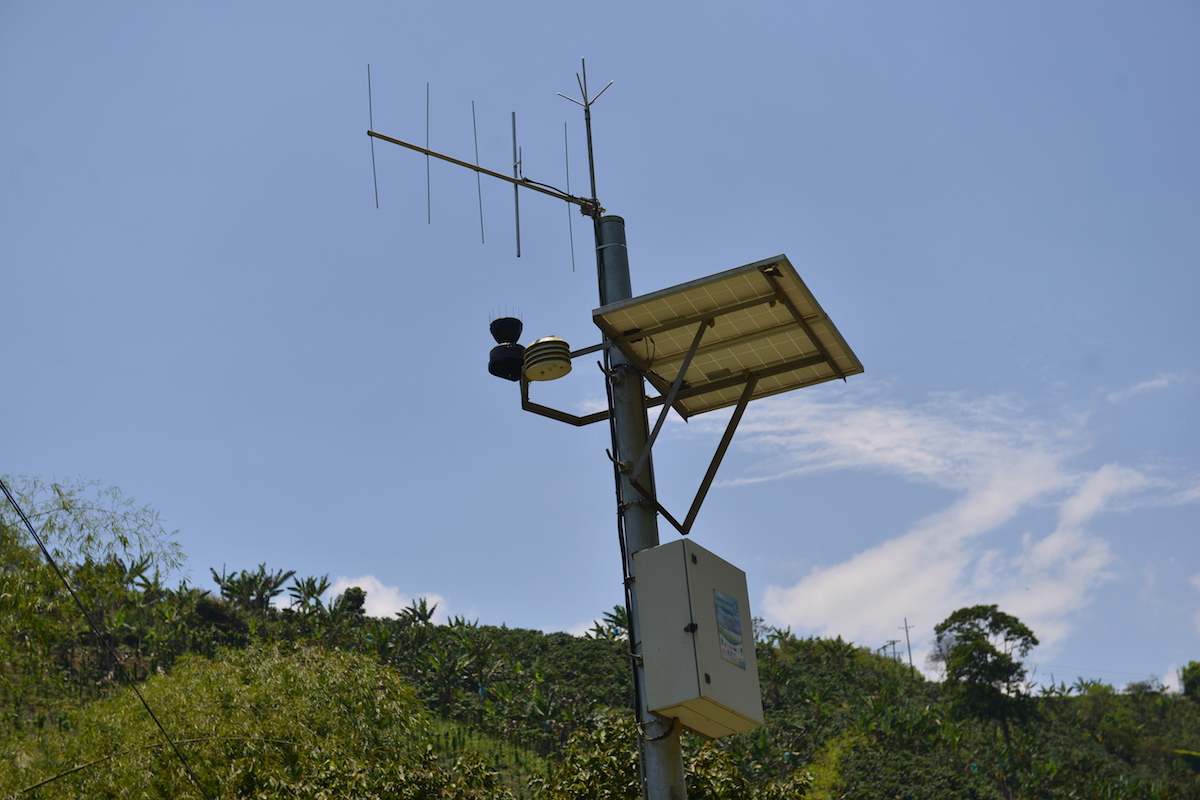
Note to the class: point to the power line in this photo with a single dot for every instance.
(102, 638)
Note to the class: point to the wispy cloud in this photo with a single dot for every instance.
(1000, 459)
(383, 600)
(1161, 381)
(950, 441)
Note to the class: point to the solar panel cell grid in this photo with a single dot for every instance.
(764, 321)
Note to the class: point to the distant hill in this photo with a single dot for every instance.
(319, 699)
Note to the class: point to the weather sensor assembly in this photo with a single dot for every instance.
(507, 359)
(547, 359)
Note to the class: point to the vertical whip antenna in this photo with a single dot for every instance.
(371, 123)
(587, 121)
(478, 179)
(516, 187)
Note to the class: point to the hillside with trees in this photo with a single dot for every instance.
(267, 688)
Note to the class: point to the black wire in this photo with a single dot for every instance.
(553, 188)
(625, 582)
(100, 636)
(120, 753)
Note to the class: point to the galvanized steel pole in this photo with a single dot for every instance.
(659, 739)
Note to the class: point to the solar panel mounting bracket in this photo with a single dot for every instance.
(771, 336)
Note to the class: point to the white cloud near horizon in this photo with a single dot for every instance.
(385, 601)
(1170, 679)
(1000, 460)
(581, 628)
(1163, 380)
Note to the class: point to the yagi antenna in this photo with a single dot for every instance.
(588, 206)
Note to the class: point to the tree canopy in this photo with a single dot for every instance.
(262, 722)
(980, 647)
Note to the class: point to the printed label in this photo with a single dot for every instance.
(729, 629)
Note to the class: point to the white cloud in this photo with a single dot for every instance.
(1171, 679)
(1057, 573)
(1000, 459)
(951, 441)
(1163, 380)
(383, 600)
(1189, 494)
(582, 628)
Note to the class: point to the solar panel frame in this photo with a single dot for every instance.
(764, 321)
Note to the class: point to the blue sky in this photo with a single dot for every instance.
(997, 204)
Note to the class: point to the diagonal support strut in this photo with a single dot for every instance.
(675, 386)
(702, 492)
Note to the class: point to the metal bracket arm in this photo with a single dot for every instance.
(719, 456)
(554, 413)
(670, 399)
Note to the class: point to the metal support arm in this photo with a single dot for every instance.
(670, 398)
(702, 492)
(554, 413)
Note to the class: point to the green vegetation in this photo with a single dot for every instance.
(249, 722)
(320, 700)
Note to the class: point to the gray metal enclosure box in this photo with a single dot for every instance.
(697, 639)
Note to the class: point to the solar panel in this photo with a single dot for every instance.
(759, 320)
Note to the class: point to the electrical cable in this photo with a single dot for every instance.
(119, 753)
(99, 634)
(637, 694)
(567, 194)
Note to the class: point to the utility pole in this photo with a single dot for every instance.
(909, 643)
(658, 739)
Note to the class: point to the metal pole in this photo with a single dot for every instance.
(659, 739)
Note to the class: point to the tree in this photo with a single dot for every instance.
(1189, 680)
(113, 553)
(252, 591)
(614, 626)
(265, 722)
(306, 594)
(87, 520)
(979, 648)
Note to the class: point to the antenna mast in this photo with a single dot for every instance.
(659, 738)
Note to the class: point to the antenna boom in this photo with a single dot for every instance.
(589, 207)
